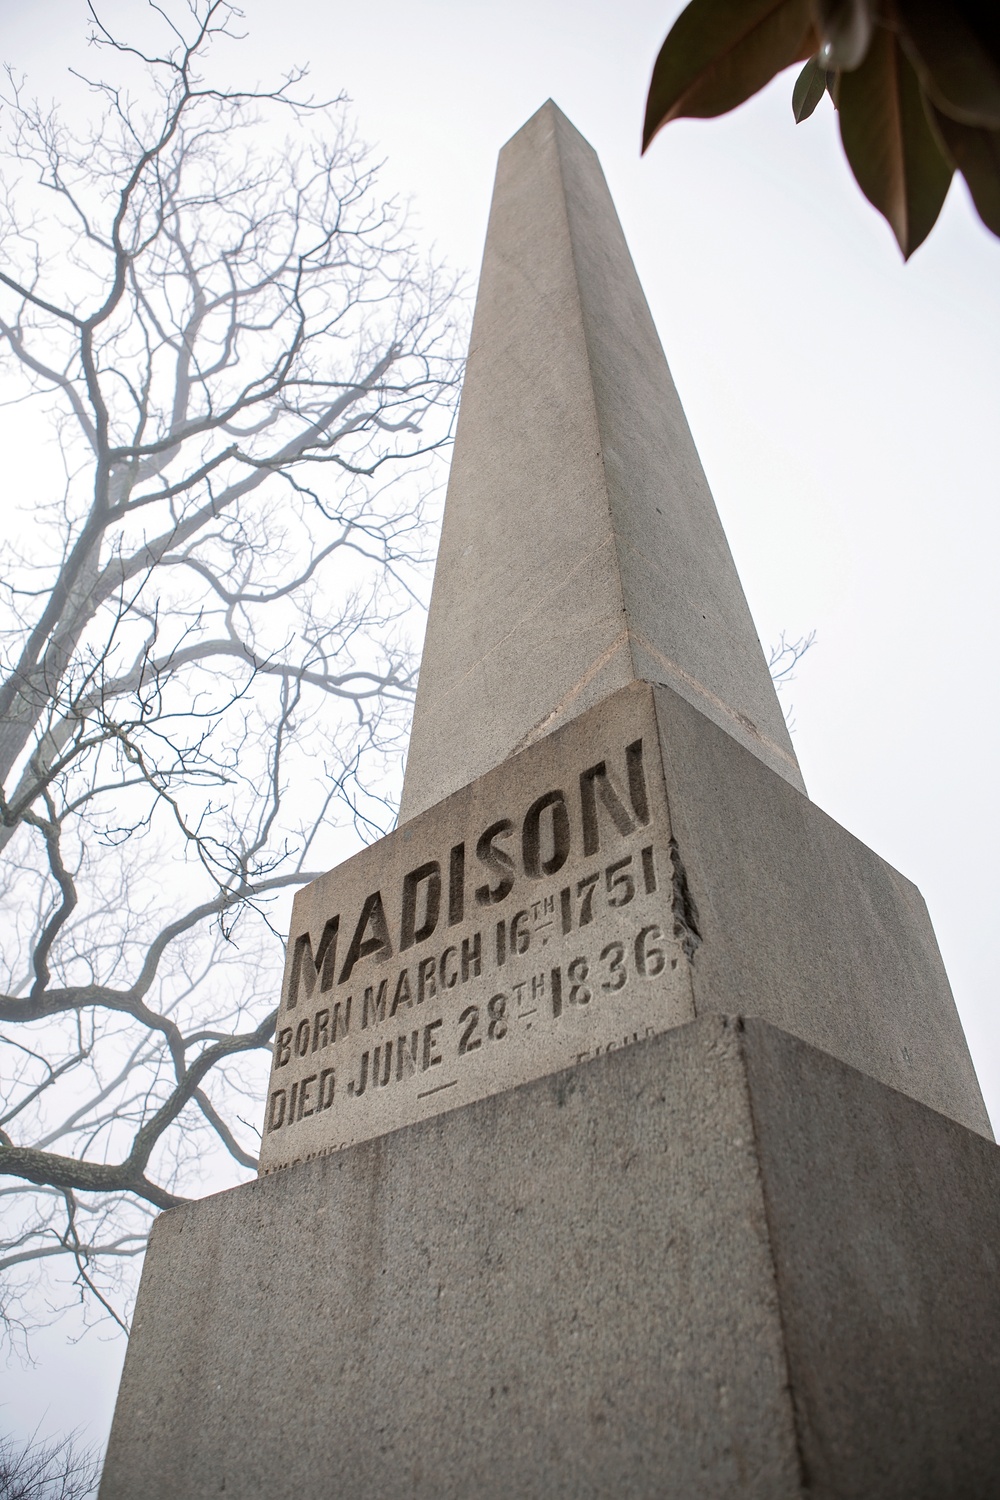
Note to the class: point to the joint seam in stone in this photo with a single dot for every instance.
(597, 665)
(743, 720)
(538, 607)
(796, 1416)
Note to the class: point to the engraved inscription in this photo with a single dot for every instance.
(532, 925)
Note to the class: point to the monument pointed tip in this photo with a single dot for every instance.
(550, 112)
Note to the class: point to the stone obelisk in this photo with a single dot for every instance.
(621, 1136)
(581, 548)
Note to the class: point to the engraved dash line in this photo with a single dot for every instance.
(426, 1093)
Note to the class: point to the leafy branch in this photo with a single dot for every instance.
(916, 84)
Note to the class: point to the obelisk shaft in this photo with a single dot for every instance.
(581, 547)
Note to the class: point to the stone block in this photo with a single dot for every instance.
(804, 926)
(636, 868)
(716, 1264)
(521, 924)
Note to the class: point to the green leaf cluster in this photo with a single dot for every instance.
(916, 84)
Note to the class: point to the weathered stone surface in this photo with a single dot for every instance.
(719, 1263)
(581, 547)
(636, 868)
(804, 926)
(885, 1230)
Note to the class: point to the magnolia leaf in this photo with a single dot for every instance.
(719, 52)
(955, 48)
(810, 86)
(893, 152)
(845, 27)
(976, 154)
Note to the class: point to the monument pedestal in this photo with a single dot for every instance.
(719, 1263)
(633, 870)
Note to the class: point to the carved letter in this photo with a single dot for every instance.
(426, 980)
(449, 978)
(497, 861)
(531, 836)
(283, 1047)
(456, 885)
(406, 1054)
(431, 1058)
(472, 957)
(374, 1005)
(637, 781)
(402, 995)
(430, 876)
(596, 784)
(356, 1087)
(323, 966)
(377, 940)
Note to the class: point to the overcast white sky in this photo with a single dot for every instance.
(845, 407)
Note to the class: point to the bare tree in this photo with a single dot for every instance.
(782, 661)
(228, 371)
(55, 1470)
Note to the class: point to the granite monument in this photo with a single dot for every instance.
(621, 1136)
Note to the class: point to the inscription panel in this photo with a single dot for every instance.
(534, 919)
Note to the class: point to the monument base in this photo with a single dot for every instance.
(716, 1263)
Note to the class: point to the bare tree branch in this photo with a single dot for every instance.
(243, 373)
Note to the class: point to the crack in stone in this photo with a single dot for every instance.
(683, 905)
